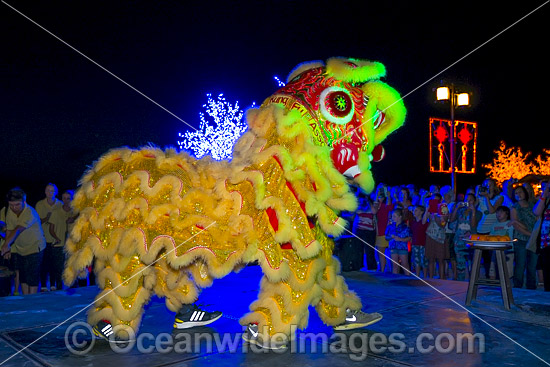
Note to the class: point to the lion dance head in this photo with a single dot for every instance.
(347, 108)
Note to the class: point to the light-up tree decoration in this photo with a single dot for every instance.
(280, 83)
(542, 163)
(510, 163)
(216, 137)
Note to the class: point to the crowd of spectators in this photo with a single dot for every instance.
(32, 241)
(421, 231)
(427, 231)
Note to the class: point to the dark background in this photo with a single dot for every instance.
(60, 112)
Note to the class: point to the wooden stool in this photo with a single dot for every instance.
(504, 279)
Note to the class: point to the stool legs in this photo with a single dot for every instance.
(472, 285)
(504, 278)
(505, 285)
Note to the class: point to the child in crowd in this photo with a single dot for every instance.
(419, 225)
(364, 227)
(503, 227)
(398, 235)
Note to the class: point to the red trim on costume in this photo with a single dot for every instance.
(272, 215)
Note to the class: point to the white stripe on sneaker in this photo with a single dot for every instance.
(104, 330)
(201, 316)
(195, 314)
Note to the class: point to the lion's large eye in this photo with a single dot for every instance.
(336, 105)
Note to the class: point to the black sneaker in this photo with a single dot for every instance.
(357, 319)
(195, 317)
(104, 330)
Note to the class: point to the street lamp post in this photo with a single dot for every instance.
(456, 99)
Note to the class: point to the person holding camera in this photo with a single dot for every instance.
(489, 201)
(523, 220)
(467, 218)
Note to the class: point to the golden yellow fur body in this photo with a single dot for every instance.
(161, 222)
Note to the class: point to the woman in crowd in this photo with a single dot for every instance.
(465, 217)
(523, 220)
(489, 201)
(436, 249)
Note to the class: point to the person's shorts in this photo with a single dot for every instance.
(29, 271)
(381, 242)
(399, 251)
(419, 256)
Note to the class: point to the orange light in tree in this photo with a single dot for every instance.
(511, 163)
(542, 163)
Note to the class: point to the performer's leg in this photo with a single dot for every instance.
(181, 289)
(282, 306)
(336, 299)
(277, 313)
(125, 289)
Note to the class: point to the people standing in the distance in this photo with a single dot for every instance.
(465, 217)
(398, 235)
(44, 208)
(523, 219)
(488, 202)
(405, 203)
(383, 207)
(428, 196)
(60, 221)
(419, 225)
(449, 200)
(542, 210)
(25, 239)
(415, 194)
(364, 227)
(437, 251)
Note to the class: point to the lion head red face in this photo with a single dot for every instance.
(346, 107)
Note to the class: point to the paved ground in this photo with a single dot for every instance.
(421, 327)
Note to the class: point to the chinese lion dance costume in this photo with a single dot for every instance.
(162, 222)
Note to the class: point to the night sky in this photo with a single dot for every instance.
(60, 112)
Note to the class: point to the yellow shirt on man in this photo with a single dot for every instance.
(59, 220)
(43, 208)
(31, 240)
